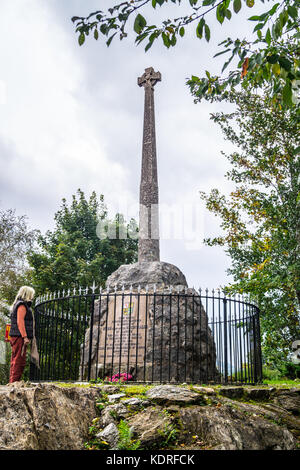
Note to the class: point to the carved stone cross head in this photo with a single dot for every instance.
(149, 78)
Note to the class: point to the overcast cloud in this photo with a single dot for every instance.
(72, 118)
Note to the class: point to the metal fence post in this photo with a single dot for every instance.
(225, 341)
(258, 341)
(91, 339)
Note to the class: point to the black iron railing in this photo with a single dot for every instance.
(172, 336)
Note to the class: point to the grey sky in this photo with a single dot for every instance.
(72, 118)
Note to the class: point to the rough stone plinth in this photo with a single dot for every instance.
(173, 342)
(146, 273)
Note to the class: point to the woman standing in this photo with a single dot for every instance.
(21, 331)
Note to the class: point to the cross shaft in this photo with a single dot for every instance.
(148, 249)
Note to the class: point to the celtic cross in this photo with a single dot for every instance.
(148, 249)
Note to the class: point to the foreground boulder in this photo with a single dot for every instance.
(45, 417)
(231, 427)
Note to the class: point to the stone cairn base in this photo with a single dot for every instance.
(173, 342)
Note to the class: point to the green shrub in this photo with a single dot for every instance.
(290, 370)
(271, 374)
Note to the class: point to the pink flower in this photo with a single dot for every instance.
(124, 377)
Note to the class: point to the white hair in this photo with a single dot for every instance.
(24, 293)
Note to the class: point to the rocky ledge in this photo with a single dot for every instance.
(48, 416)
(45, 416)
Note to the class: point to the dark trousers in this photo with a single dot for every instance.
(18, 358)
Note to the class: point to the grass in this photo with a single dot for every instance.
(135, 390)
(282, 382)
(70, 384)
(139, 390)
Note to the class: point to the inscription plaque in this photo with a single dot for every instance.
(126, 320)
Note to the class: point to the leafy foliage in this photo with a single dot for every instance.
(4, 347)
(74, 254)
(290, 370)
(275, 66)
(16, 239)
(264, 58)
(126, 441)
(261, 217)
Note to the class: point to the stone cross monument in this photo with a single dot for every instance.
(148, 249)
(141, 328)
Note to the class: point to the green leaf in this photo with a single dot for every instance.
(110, 39)
(199, 29)
(237, 5)
(166, 40)
(276, 68)
(220, 13)
(273, 10)
(81, 39)
(104, 29)
(285, 63)
(148, 46)
(139, 24)
(173, 40)
(268, 37)
(287, 94)
(227, 63)
(141, 37)
(181, 31)
(258, 26)
(207, 33)
(96, 34)
(254, 18)
(208, 2)
(258, 59)
(272, 59)
(292, 11)
(250, 3)
(228, 14)
(223, 52)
